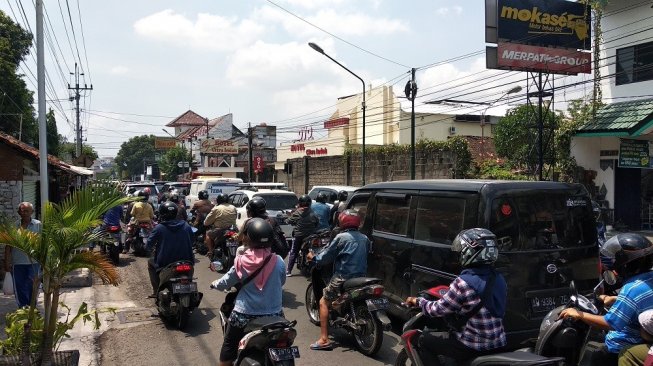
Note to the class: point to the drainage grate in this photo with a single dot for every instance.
(136, 315)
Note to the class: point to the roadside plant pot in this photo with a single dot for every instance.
(59, 358)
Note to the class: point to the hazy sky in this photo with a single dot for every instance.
(151, 60)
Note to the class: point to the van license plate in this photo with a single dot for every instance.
(544, 304)
(377, 304)
(284, 354)
(184, 288)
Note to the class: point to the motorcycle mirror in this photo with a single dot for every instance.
(574, 292)
(609, 278)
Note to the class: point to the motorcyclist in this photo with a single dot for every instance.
(338, 206)
(140, 212)
(220, 218)
(201, 208)
(181, 212)
(632, 258)
(348, 253)
(110, 218)
(476, 299)
(256, 207)
(260, 297)
(641, 354)
(305, 222)
(321, 209)
(172, 241)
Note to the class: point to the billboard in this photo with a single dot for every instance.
(546, 23)
(222, 147)
(513, 56)
(164, 143)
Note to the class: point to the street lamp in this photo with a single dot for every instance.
(320, 50)
(513, 90)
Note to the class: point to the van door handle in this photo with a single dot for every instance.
(408, 276)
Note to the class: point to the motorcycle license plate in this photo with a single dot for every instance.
(284, 354)
(184, 288)
(232, 244)
(377, 304)
(543, 304)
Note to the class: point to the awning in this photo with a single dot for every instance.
(80, 170)
(624, 119)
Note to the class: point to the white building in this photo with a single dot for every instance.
(616, 143)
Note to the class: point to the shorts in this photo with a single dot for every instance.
(332, 290)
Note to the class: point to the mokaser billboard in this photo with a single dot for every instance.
(548, 23)
(513, 56)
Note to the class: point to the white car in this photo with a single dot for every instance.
(154, 192)
(278, 203)
(213, 185)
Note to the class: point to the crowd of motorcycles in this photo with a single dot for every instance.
(361, 310)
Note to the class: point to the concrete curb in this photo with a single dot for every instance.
(78, 278)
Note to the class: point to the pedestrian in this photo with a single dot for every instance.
(24, 270)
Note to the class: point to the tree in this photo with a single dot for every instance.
(168, 163)
(53, 137)
(134, 153)
(16, 110)
(67, 151)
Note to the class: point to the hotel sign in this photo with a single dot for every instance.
(164, 143)
(219, 147)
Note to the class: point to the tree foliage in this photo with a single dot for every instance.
(67, 151)
(168, 163)
(133, 153)
(52, 134)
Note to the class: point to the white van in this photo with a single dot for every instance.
(214, 185)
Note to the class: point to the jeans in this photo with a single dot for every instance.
(294, 252)
(24, 275)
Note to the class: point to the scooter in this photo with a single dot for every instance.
(114, 248)
(314, 242)
(139, 240)
(360, 309)
(178, 295)
(225, 250)
(420, 323)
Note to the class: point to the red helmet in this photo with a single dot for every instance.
(349, 219)
(147, 191)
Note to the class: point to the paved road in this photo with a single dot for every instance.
(142, 339)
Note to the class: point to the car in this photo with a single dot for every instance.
(546, 235)
(159, 185)
(278, 203)
(330, 191)
(213, 185)
(154, 192)
(181, 188)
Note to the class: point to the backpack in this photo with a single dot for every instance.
(279, 243)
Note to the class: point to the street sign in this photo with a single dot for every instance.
(182, 164)
(258, 164)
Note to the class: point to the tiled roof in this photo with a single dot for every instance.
(189, 118)
(628, 117)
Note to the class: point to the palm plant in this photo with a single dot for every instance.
(66, 228)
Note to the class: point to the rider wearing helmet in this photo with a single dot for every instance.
(337, 208)
(172, 240)
(305, 222)
(260, 297)
(348, 253)
(142, 210)
(321, 209)
(475, 302)
(630, 256)
(220, 218)
(256, 208)
(201, 207)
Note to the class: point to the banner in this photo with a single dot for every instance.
(634, 154)
(221, 147)
(164, 143)
(513, 56)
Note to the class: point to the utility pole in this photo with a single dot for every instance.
(411, 92)
(78, 128)
(250, 158)
(43, 140)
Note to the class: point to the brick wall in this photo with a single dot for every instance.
(11, 164)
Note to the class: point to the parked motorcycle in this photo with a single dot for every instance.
(178, 295)
(139, 239)
(113, 248)
(360, 309)
(420, 322)
(314, 242)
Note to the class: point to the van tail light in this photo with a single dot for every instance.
(183, 268)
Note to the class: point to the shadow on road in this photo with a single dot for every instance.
(346, 343)
(125, 261)
(290, 300)
(198, 323)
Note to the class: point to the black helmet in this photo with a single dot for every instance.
(596, 209)
(630, 254)
(259, 232)
(168, 211)
(476, 247)
(342, 196)
(305, 200)
(321, 197)
(203, 194)
(256, 207)
(221, 198)
(174, 198)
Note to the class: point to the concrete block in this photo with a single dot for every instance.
(79, 278)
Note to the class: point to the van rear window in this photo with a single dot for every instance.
(278, 202)
(542, 221)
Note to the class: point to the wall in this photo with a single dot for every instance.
(586, 151)
(11, 164)
(10, 198)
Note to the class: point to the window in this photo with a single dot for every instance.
(635, 63)
(235, 199)
(359, 203)
(439, 219)
(278, 202)
(392, 215)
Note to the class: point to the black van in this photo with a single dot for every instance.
(545, 230)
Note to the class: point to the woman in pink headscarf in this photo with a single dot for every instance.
(259, 297)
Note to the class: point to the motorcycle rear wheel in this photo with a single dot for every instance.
(370, 338)
(182, 317)
(114, 254)
(402, 359)
(312, 305)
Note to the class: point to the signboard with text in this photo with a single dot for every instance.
(513, 56)
(338, 122)
(164, 143)
(634, 154)
(259, 165)
(222, 147)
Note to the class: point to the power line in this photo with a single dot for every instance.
(72, 28)
(81, 27)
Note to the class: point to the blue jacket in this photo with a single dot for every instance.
(348, 252)
(174, 242)
(321, 210)
(250, 299)
(113, 216)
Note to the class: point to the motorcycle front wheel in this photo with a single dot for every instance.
(312, 305)
(370, 336)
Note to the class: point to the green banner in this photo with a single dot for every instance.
(634, 154)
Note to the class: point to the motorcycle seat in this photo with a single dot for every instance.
(266, 322)
(512, 358)
(359, 282)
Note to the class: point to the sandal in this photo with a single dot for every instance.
(322, 347)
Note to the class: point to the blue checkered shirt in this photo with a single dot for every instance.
(483, 331)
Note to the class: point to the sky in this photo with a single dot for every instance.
(149, 61)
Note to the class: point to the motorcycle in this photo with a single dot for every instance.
(420, 323)
(139, 239)
(314, 242)
(113, 248)
(360, 309)
(225, 250)
(178, 296)
(576, 341)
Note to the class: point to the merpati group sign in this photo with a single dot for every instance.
(223, 147)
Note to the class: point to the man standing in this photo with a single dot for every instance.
(23, 268)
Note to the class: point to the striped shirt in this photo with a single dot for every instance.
(635, 296)
(483, 331)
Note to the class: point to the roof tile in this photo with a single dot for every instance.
(620, 116)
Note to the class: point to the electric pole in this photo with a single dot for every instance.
(43, 140)
(411, 92)
(78, 128)
(250, 158)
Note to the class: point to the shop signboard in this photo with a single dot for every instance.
(634, 154)
(513, 56)
(221, 147)
(164, 143)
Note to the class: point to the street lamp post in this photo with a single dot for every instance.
(320, 50)
(513, 90)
